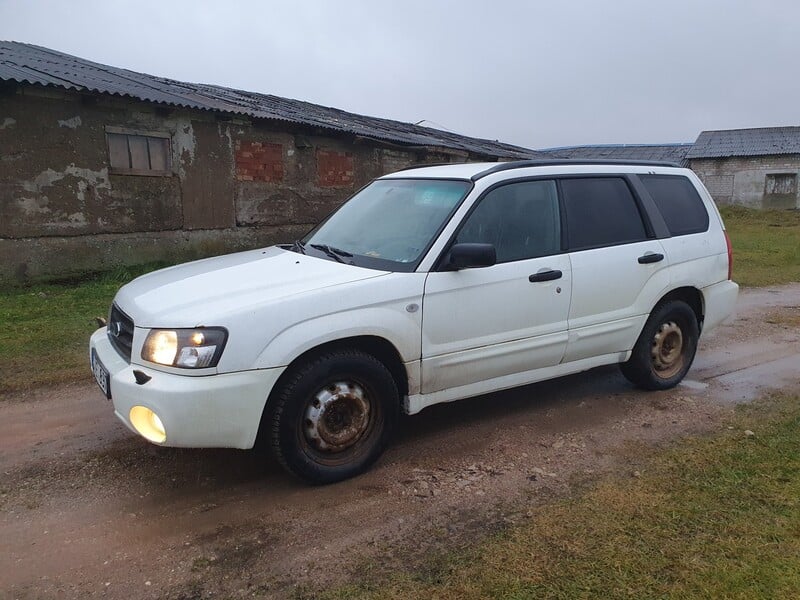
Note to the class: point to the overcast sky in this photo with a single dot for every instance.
(537, 74)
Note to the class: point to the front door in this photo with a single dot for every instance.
(485, 323)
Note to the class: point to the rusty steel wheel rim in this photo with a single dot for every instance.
(337, 417)
(668, 350)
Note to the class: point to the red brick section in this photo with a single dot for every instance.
(334, 169)
(259, 161)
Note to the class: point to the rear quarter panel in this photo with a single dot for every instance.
(700, 259)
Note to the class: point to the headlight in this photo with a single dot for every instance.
(185, 348)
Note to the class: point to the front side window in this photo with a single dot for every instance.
(390, 223)
(601, 211)
(521, 220)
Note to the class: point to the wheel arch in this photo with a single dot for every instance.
(691, 296)
(376, 346)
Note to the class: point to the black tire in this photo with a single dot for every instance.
(665, 349)
(332, 417)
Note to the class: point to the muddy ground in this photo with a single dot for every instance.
(89, 510)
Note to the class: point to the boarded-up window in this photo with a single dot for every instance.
(259, 162)
(138, 153)
(335, 169)
(781, 184)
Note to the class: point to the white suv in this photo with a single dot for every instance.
(429, 285)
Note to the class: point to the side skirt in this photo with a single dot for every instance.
(416, 402)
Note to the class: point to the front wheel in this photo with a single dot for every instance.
(332, 417)
(665, 349)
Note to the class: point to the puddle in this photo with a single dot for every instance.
(694, 385)
(746, 385)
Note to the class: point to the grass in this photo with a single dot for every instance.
(47, 326)
(717, 517)
(766, 245)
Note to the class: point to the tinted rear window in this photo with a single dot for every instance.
(679, 203)
(601, 212)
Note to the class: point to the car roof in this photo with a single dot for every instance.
(475, 171)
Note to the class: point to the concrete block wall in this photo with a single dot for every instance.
(743, 180)
(234, 183)
(311, 176)
(55, 178)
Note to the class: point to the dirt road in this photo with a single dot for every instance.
(87, 509)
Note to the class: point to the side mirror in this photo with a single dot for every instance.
(467, 256)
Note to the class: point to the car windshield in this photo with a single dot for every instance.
(389, 224)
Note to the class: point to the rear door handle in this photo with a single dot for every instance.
(650, 257)
(548, 275)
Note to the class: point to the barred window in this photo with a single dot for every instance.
(781, 184)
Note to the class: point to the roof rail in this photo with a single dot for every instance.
(521, 164)
(423, 165)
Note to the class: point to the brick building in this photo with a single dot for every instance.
(751, 167)
(101, 166)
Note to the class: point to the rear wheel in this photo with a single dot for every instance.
(665, 349)
(333, 416)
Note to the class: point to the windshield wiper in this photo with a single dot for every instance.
(334, 253)
(298, 246)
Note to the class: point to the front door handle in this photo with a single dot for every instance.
(548, 275)
(650, 257)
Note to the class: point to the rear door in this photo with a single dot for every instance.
(618, 266)
(491, 322)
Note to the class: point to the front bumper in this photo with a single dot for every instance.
(214, 411)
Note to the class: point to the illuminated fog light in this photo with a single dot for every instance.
(147, 423)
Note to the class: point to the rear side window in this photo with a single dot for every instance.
(601, 212)
(679, 203)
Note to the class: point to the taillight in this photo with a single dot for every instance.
(730, 254)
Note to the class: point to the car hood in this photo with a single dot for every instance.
(205, 292)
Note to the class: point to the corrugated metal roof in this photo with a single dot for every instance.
(762, 141)
(675, 153)
(35, 65)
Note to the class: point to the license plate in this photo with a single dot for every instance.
(101, 375)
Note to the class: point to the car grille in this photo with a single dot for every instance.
(120, 332)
